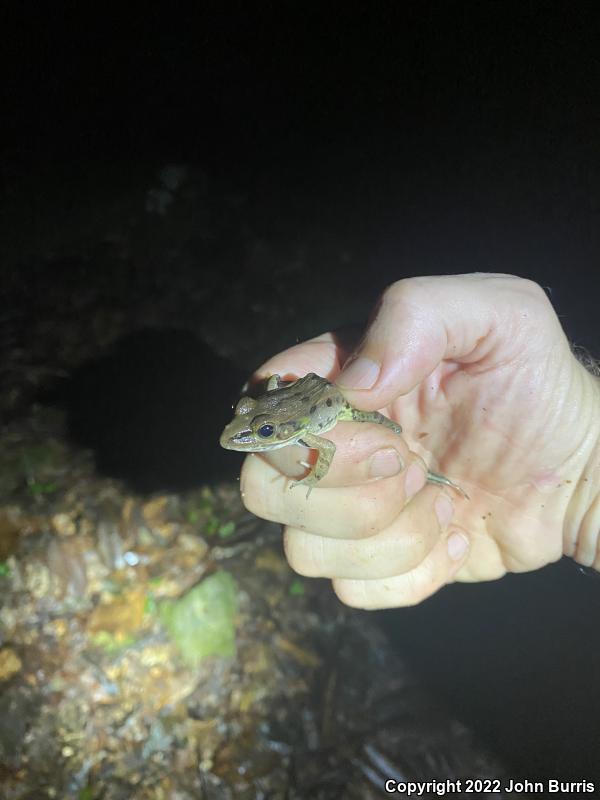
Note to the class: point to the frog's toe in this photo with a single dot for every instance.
(277, 478)
(442, 480)
(310, 481)
(299, 483)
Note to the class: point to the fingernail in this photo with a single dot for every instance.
(359, 373)
(414, 481)
(444, 510)
(458, 544)
(385, 463)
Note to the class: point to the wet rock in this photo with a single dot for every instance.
(64, 524)
(10, 663)
(37, 579)
(148, 680)
(18, 709)
(9, 534)
(110, 544)
(121, 617)
(66, 561)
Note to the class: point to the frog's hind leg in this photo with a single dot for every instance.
(354, 414)
(326, 450)
(442, 480)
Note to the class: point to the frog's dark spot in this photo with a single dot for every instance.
(313, 409)
(305, 399)
(346, 405)
(329, 402)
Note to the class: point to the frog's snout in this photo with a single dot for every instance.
(227, 438)
(236, 439)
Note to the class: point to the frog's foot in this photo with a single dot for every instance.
(433, 477)
(310, 481)
(326, 450)
(273, 383)
(278, 477)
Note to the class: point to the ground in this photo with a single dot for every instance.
(155, 644)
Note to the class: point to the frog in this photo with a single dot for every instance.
(299, 412)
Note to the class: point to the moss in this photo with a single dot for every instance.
(111, 643)
(296, 588)
(202, 622)
(227, 529)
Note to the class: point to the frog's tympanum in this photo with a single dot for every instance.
(298, 413)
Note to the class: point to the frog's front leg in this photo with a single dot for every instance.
(274, 382)
(326, 450)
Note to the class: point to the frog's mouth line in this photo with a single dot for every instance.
(246, 440)
(243, 437)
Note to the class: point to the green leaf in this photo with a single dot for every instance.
(42, 488)
(212, 526)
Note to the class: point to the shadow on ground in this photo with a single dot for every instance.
(152, 410)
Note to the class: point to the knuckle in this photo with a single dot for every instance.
(404, 290)
(373, 512)
(351, 593)
(418, 586)
(303, 553)
(417, 548)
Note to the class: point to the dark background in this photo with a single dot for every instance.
(428, 138)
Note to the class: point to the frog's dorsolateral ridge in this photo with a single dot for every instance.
(298, 413)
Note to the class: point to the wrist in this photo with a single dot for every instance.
(581, 534)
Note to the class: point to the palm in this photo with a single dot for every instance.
(494, 431)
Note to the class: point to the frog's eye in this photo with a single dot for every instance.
(265, 431)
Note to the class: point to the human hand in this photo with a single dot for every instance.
(480, 374)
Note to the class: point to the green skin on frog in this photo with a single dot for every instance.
(298, 413)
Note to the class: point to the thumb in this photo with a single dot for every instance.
(421, 321)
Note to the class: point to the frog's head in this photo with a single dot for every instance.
(257, 426)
